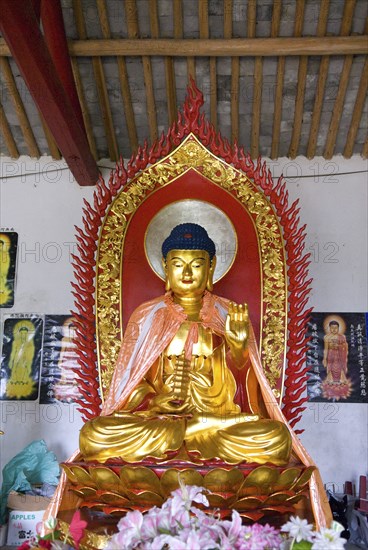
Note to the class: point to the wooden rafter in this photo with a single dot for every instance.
(338, 108)
(302, 77)
(357, 113)
(275, 29)
(235, 72)
(100, 85)
(7, 134)
(133, 33)
(24, 123)
(21, 29)
(204, 33)
(321, 84)
(276, 18)
(346, 23)
(159, 44)
(85, 112)
(123, 78)
(365, 149)
(169, 64)
(257, 82)
(127, 101)
(53, 149)
(54, 32)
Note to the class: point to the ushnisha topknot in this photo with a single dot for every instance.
(189, 236)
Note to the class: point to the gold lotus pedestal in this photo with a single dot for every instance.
(256, 492)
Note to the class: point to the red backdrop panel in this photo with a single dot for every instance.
(241, 284)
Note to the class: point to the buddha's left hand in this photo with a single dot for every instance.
(237, 331)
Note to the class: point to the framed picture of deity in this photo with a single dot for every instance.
(8, 258)
(337, 357)
(59, 361)
(21, 358)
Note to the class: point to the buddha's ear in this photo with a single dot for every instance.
(167, 282)
(210, 274)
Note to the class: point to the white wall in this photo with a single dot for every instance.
(41, 201)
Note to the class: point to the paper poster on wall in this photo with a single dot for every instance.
(337, 357)
(21, 358)
(58, 381)
(8, 258)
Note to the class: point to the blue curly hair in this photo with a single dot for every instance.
(189, 236)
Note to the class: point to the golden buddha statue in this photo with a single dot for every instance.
(172, 392)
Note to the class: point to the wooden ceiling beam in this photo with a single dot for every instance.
(219, 47)
(21, 30)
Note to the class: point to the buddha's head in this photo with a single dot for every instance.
(189, 260)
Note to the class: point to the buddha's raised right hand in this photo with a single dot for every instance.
(237, 331)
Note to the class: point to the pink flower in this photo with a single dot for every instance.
(76, 528)
(156, 522)
(259, 537)
(129, 532)
(233, 527)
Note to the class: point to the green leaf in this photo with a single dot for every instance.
(302, 545)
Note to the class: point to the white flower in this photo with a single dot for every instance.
(299, 529)
(184, 496)
(51, 523)
(328, 539)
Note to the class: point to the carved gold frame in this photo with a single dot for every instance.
(191, 154)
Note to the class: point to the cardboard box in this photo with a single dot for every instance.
(32, 503)
(22, 526)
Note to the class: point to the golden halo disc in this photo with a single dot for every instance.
(215, 221)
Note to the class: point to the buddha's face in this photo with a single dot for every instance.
(334, 329)
(188, 272)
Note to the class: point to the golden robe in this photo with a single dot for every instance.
(151, 329)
